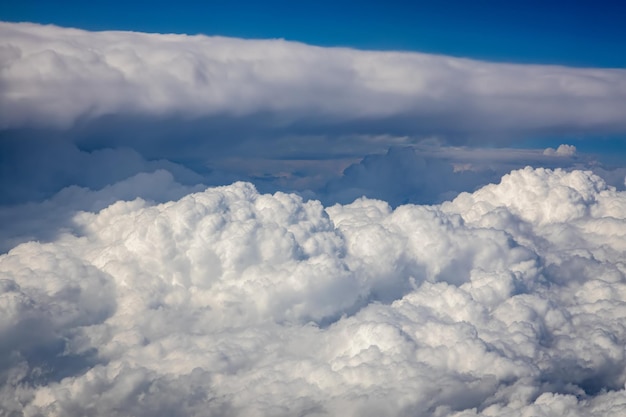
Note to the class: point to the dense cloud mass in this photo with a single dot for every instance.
(54, 76)
(509, 301)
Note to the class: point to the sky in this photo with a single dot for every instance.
(579, 33)
(285, 208)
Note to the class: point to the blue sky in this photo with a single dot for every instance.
(577, 33)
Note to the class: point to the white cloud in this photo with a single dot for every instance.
(507, 301)
(56, 76)
(562, 150)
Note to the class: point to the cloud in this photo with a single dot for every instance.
(127, 287)
(60, 77)
(431, 173)
(34, 169)
(91, 109)
(405, 175)
(227, 302)
(43, 221)
(562, 150)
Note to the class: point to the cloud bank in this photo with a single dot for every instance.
(508, 301)
(91, 109)
(54, 76)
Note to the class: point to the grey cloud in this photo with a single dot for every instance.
(505, 301)
(44, 221)
(430, 173)
(403, 175)
(33, 169)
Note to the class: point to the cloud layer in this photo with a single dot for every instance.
(53, 76)
(90, 109)
(508, 301)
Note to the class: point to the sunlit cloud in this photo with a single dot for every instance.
(58, 77)
(231, 302)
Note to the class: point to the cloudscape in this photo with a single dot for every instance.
(210, 225)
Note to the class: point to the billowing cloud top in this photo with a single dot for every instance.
(52, 76)
(506, 302)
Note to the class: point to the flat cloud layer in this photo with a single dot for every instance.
(509, 301)
(53, 76)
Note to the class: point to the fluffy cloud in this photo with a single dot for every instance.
(562, 150)
(227, 302)
(55, 76)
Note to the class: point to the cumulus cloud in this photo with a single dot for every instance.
(427, 174)
(406, 175)
(227, 302)
(562, 150)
